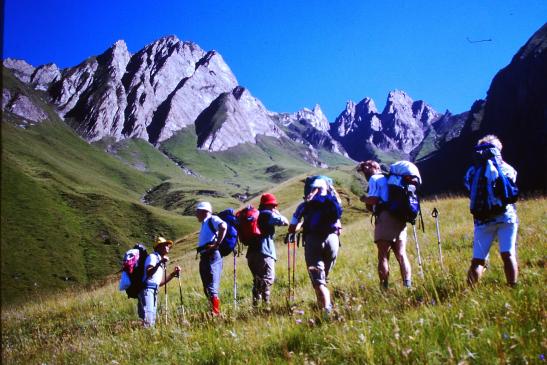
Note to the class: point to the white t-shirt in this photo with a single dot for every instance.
(206, 235)
(152, 260)
(377, 186)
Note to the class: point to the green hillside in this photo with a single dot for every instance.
(70, 209)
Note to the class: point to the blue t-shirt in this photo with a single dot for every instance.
(377, 186)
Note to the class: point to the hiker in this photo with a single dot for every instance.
(501, 222)
(321, 229)
(154, 277)
(389, 230)
(210, 263)
(261, 256)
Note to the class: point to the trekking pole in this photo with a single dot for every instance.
(165, 285)
(288, 243)
(418, 251)
(181, 303)
(293, 268)
(435, 214)
(235, 282)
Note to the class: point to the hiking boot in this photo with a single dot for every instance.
(407, 284)
(384, 284)
(215, 301)
(327, 312)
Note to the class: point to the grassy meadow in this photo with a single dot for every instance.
(440, 321)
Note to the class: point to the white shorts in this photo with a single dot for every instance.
(485, 235)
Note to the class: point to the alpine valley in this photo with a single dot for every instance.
(119, 148)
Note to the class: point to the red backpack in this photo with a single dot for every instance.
(249, 232)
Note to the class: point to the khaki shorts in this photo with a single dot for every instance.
(389, 228)
(320, 253)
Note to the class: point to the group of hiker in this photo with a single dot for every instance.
(392, 199)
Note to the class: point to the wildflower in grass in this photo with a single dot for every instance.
(298, 321)
(505, 336)
(541, 357)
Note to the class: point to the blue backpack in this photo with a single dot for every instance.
(228, 244)
(321, 214)
(488, 200)
(403, 182)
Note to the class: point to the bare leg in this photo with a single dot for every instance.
(323, 296)
(510, 267)
(384, 248)
(475, 271)
(399, 250)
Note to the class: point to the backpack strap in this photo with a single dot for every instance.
(211, 225)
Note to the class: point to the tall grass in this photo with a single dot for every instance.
(440, 321)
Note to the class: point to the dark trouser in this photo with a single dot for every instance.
(263, 269)
(210, 268)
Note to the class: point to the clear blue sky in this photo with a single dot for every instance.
(293, 54)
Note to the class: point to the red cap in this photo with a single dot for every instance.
(268, 199)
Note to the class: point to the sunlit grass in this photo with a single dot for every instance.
(440, 321)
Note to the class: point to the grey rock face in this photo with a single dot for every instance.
(401, 126)
(20, 68)
(149, 95)
(233, 118)
(163, 88)
(309, 127)
(194, 93)
(91, 96)
(44, 75)
(152, 75)
(22, 106)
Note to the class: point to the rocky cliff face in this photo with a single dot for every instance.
(309, 127)
(233, 118)
(401, 127)
(149, 95)
(22, 106)
(163, 88)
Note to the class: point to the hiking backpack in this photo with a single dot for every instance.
(403, 182)
(249, 231)
(229, 242)
(321, 214)
(330, 186)
(488, 200)
(133, 271)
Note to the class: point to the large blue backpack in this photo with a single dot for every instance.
(229, 242)
(321, 214)
(403, 182)
(488, 200)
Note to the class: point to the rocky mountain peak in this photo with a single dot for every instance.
(400, 127)
(233, 118)
(20, 68)
(44, 75)
(398, 102)
(314, 117)
(367, 106)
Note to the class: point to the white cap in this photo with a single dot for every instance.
(321, 185)
(205, 206)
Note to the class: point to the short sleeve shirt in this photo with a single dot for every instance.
(377, 186)
(152, 260)
(206, 235)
